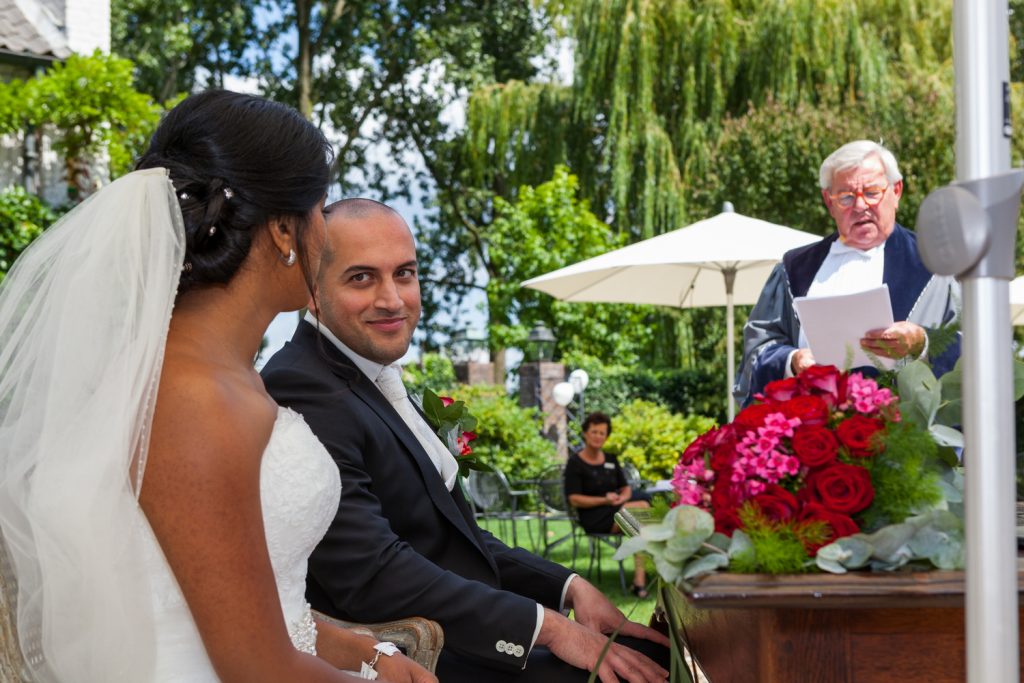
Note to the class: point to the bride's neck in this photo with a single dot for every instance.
(225, 327)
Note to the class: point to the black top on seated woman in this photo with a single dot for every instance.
(594, 482)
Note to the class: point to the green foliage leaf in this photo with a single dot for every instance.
(920, 393)
(651, 437)
(23, 217)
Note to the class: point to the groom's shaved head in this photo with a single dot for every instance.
(357, 207)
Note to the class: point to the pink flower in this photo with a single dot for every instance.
(865, 396)
(446, 401)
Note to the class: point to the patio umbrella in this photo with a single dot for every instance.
(720, 261)
(1017, 301)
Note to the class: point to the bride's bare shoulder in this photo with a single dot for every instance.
(208, 419)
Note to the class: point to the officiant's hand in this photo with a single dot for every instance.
(581, 647)
(896, 341)
(802, 359)
(595, 611)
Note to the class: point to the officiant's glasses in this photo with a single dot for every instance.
(871, 195)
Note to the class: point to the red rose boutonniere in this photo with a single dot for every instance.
(454, 425)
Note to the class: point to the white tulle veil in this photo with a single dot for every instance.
(83, 320)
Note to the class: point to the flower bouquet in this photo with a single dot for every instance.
(826, 471)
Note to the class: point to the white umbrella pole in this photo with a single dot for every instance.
(981, 64)
(730, 335)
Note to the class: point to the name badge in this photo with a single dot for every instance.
(609, 466)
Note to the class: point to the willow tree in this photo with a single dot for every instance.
(667, 97)
(656, 80)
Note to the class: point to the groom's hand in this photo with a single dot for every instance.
(582, 647)
(595, 611)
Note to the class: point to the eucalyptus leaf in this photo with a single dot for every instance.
(630, 547)
(669, 571)
(951, 386)
(739, 544)
(658, 532)
(705, 565)
(684, 545)
(688, 519)
(852, 552)
(720, 541)
(919, 392)
(890, 542)
(946, 436)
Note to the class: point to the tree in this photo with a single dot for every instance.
(87, 105)
(545, 228)
(175, 44)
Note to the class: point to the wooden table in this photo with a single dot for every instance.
(819, 628)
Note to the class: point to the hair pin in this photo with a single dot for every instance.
(187, 267)
(183, 195)
(212, 231)
(228, 193)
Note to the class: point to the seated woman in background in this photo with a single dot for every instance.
(596, 486)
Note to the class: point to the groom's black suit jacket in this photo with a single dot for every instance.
(401, 544)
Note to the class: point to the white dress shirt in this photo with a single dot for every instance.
(846, 270)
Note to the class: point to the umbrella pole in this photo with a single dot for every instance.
(730, 336)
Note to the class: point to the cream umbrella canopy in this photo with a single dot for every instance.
(720, 261)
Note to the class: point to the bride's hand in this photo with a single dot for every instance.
(400, 669)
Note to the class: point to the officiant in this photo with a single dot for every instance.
(861, 186)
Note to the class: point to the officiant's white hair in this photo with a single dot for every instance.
(852, 155)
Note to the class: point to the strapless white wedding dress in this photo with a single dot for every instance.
(299, 491)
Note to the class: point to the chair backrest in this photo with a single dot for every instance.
(12, 663)
(632, 475)
(551, 489)
(484, 490)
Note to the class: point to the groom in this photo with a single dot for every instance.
(404, 541)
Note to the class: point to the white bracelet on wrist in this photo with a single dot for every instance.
(367, 670)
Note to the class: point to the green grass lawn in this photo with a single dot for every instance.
(636, 609)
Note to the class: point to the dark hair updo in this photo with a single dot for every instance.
(236, 161)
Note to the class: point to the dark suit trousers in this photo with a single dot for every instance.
(541, 667)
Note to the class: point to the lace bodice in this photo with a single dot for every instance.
(299, 492)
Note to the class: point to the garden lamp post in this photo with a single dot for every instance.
(540, 343)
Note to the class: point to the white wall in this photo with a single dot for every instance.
(87, 25)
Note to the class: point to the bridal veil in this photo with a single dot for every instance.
(83, 321)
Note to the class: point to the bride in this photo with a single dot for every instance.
(156, 506)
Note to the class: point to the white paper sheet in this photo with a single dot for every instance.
(834, 325)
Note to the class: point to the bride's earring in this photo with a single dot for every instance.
(290, 259)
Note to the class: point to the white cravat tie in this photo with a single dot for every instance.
(390, 384)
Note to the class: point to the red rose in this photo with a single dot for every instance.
(752, 417)
(839, 525)
(701, 445)
(463, 442)
(781, 389)
(777, 503)
(727, 520)
(840, 488)
(722, 459)
(812, 410)
(856, 432)
(825, 381)
(815, 446)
